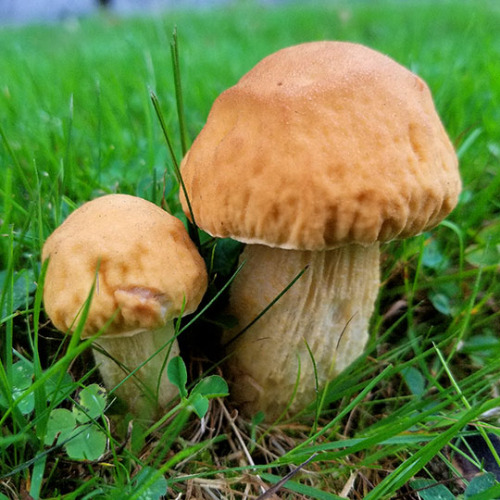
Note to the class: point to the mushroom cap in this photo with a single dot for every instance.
(148, 270)
(319, 145)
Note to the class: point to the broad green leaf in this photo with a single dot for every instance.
(480, 484)
(60, 425)
(24, 286)
(177, 374)
(199, 404)
(92, 401)
(428, 489)
(479, 255)
(490, 234)
(482, 347)
(414, 380)
(432, 257)
(492, 493)
(22, 374)
(441, 303)
(87, 442)
(22, 378)
(212, 387)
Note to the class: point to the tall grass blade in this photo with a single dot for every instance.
(69, 180)
(174, 47)
(192, 227)
(40, 393)
(419, 459)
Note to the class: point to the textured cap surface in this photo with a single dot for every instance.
(147, 266)
(318, 145)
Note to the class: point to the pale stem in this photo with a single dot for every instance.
(149, 389)
(327, 309)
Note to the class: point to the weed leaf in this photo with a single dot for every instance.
(24, 286)
(212, 387)
(92, 402)
(22, 378)
(177, 374)
(199, 404)
(480, 485)
(60, 425)
(87, 442)
(428, 489)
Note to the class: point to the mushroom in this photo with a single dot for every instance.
(317, 155)
(143, 272)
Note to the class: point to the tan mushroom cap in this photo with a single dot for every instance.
(319, 145)
(147, 267)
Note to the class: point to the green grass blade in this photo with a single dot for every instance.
(301, 489)
(174, 46)
(192, 227)
(417, 461)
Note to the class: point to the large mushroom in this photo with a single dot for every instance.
(319, 153)
(144, 272)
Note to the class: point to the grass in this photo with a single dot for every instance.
(77, 121)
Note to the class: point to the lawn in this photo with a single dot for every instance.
(81, 107)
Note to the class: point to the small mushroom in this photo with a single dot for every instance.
(316, 156)
(144, 272)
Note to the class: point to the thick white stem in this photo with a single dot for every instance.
(328, 310)
(149, 389)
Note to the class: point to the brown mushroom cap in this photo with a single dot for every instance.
(147, 267)
(319, 145)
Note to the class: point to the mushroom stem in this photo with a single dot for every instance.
(327, 310)
(149, 389)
